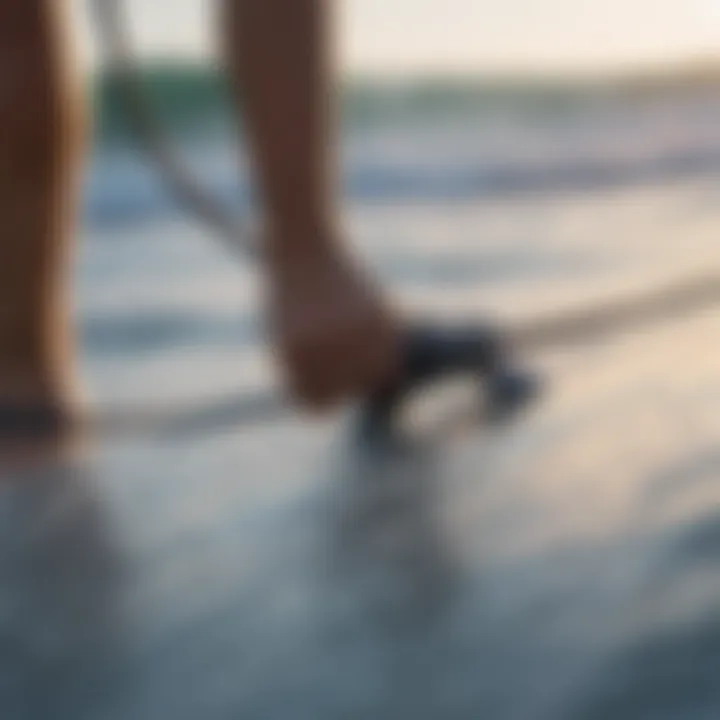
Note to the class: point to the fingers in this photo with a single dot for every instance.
(336, 338)
(326, 369)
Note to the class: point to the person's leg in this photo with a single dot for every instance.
(334, 334)
(41, 142)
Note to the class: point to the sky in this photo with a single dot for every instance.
(470, 36)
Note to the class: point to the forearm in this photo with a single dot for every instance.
(278, 53)
(333, 333)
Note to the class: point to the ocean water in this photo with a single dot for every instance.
(466, 198)
(434, 140)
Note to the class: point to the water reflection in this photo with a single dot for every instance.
(390, 547)
(60, 613)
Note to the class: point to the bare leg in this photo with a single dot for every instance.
(41, 140)
(334, 334)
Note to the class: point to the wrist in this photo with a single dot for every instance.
(303, 247)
